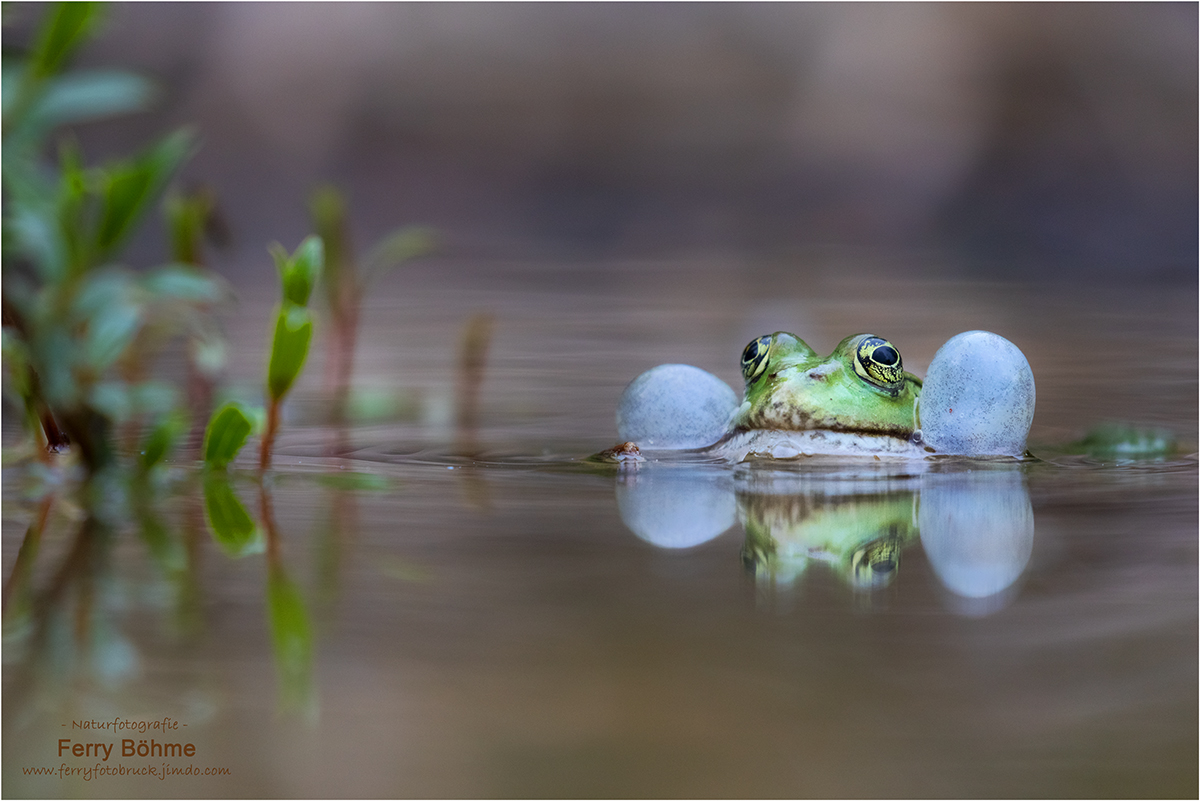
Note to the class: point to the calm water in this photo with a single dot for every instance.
(515, 622)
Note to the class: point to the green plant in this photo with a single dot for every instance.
(344, 284)
(225, 435)
(79, 326)
(298, 274)
(231, 424)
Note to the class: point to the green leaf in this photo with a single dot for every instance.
(83, 96)
(72, 207)
(184, 283)
(225, 435)
(400, 246)
(14, 74)
(228, 519)
(33, 231)
(110, 312)
(162, 439)
(128, 189)
(299, 272)
(327, 207)
(188, 218)
(69, 24)
(289, 349)
(52, 351)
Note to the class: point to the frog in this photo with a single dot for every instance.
(858, 400)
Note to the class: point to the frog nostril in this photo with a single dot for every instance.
(821, 372)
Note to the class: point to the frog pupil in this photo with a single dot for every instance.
(886, 355)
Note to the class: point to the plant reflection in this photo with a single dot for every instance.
(975, 522)
(175, 556)
(65, 635)
(232, 529)
(16, 588)
(291, 628)
(64, 630)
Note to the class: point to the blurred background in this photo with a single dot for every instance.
(997, 140)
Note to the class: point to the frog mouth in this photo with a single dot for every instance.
(775, 418)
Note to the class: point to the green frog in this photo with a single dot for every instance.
(856, 401)
(977, 400)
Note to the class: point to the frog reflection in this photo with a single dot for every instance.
(860, 537)
(975, 523)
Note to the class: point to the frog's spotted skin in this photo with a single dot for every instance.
(856, 401)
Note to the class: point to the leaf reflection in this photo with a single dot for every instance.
(230, 523)
(64, 632)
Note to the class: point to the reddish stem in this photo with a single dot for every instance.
(268, 440)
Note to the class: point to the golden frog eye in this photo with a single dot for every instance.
(754, 358)
(877, 361)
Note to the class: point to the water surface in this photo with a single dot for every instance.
(493, 616)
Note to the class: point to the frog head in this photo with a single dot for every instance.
(861, 388)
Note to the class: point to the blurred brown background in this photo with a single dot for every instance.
(1016, 140)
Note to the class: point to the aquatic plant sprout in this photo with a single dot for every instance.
(298, 274)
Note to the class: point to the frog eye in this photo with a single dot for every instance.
(754, 358)
(878, 362)
(875, 564)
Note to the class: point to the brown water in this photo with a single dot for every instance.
(492, 625)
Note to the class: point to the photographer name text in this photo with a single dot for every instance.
(129, 748)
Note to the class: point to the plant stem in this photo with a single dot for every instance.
(472, 363)
(268, 440)
(341, 371)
